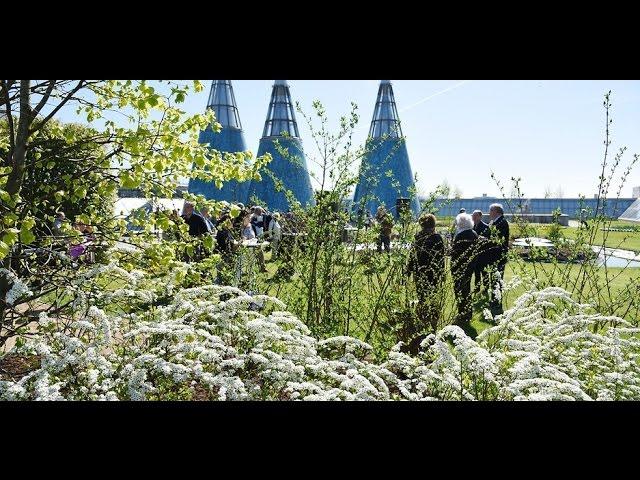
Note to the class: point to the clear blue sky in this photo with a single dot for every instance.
(548, 132)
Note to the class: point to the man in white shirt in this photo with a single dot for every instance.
(257, 220)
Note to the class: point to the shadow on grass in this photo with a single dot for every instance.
(470, 330)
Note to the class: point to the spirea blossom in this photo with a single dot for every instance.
(18, 289)
(211, 342)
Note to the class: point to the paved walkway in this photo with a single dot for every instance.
(616, 252)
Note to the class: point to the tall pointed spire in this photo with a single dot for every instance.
(385, 116)
(290, 169)
(385, 172)
(229, 140)
(281, 117)
(223, 102)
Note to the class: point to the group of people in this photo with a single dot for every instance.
(477, 250)
(253, 224)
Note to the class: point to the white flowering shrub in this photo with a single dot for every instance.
(219, 343)
(18, 289)
(547, 347)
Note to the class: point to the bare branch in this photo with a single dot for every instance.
(64, 101)
(45, 97)
(6, 85)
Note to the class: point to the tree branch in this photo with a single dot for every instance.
(58, 107)
(5, 89)
(45, 97)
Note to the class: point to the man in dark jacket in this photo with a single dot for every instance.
(204, 213)
(225, 246)
(479, 226)
(197, 228)
(483, 260)
(499, 238)
(463, 263)
(197, 224)
(426, 263)
(224, 237)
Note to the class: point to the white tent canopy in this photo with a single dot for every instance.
(632, 214)
(125, 206)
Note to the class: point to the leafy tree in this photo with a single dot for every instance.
(69, 176)
(138, 137)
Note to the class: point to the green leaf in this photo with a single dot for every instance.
(80, 192)
(128, 181)
(27, 236)
(83, 219)
(10, 236)
(4, 249)
(10, 218)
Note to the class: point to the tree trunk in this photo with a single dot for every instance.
(18, 156)
(17, 160)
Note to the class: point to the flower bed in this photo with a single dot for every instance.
(218, 343)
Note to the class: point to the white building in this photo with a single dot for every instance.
(636, 192)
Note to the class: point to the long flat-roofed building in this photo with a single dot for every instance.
(571, 207)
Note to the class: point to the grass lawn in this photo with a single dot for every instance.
(559, 274)
(620, 279)
(623, 240)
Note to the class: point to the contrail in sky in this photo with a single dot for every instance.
(435, 95)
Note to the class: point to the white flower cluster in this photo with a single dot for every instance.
(18, 289)
(112, 268)
(209, 342)
(499, 287)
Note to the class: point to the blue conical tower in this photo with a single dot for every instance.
(230, 139)
(291, 170)
(385, 172)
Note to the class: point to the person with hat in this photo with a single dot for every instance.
(583, 218)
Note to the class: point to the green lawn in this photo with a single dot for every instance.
(621, 280)
(566, 275)
(559, 274)
(624, 240)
